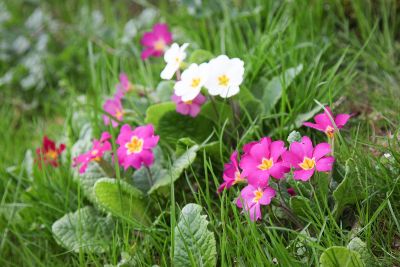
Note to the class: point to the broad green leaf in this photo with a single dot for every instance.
(348, 192)
(87, 180)
(356, 244)
(273, 90)
(121, 199)
(178, 166)
(165, 90)
(155, 112)
(194, 243)
(144, 179)
(217, 111)
(84, 230)
(340, 256)
(200, 56)
(173, 126)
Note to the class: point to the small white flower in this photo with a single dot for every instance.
(225, 76)
(174, 56)
(192, 79)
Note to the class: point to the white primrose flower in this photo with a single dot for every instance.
(225, 76)
(174, 56)
(192, 79)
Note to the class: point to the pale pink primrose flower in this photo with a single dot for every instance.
(156, 41)
(324, 124)
(135, 146)
(123, 86)
(305, 159)
(232, 174)
(191, 107)
(251, 198)
(264, 160)
(114, 108)
(95, 153)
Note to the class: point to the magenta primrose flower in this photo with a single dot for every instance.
(263, 160)
(156, 41)
(135, 146)
(232, 174)
(95, 154)
(305, 159)
(251, 198)
(123, 86)
(324, 124)
(114, 108)
(191, 107)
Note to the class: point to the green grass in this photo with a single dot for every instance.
(350, 56)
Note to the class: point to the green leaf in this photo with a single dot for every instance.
(356, 244)
(179, 165)
(273, 90)
(165, 90)
(348, 192)
(199, 56)
(194, 244)
(340, 256)
(298, 122)
(155, 112)
(87, 180)
(173, 126)
(84, 230)
(121, 199)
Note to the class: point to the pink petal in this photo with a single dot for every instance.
(325, 164)
(321, 150)
(150, 142)
(303, 175)
(148, 39)
(323, 120)
(278, 171)
(260, 151)
(314, 126)
(307, 146)
(105, 136)
(194, 110)
(234, 160)
(341, 120)
(148, 52)
(147, 157)
(291, 158)
(247, 147)
(255, 212)
(183, 108)
(268, 194)
(161, 30)
(144, 131)
(277, 148)
(199, 99)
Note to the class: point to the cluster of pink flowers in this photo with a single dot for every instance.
(267, 158)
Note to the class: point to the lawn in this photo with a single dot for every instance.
(200, 133)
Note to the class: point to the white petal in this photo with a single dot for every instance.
(180, 88)
(168, 71)
(229, 91)
(171, 53)
(191, 94)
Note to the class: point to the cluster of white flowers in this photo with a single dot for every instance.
(220, 76)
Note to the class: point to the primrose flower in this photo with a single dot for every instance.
(225, 76)
(174, 56)
(156, 41)
(49, 153)
(324, 123)
(114, 108)
(135, 146)
(251, 198)
(191, 107)
(263, 160)
(232, 174)
(123, 86)
(95, 154)
(192, 79)
(305, 159)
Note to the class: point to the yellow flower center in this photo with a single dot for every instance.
(134, 146)
(238, 177)
(330, 131)
(94, 152)
(307, 164)
(258, 195)
(119, 114)
(195, 82)
(266, 164)
(189, 102)
(159, 45)
(51, 154)
(223, 80)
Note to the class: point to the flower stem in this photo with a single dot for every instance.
(150, 176)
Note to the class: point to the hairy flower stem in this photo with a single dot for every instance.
(178, 75)
(150, 175)
(331, 142)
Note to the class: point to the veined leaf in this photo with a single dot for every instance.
(340, 256)
(194, 243)
(84, 230)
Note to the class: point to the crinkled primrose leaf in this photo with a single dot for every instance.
(194, 244)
